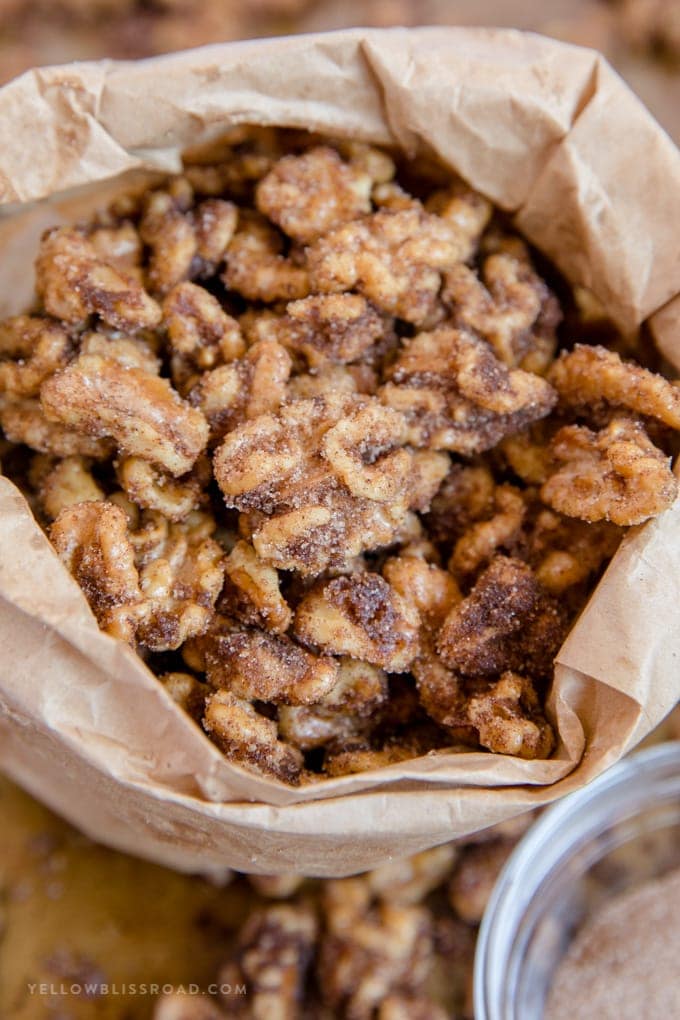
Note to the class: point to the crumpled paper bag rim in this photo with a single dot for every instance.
(81, 97)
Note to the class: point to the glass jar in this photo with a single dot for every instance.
(621, 830)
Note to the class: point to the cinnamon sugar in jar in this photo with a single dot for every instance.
(585, 918)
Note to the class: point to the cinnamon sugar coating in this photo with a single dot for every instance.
(395, 259)
(308, 426)
(508, 621)
(325, 479)
(336, 328)
(361, 616)
(266, 667)
(590, 379)
(140, 412)
(456, 395)
(512, 308)
(309, 195)
(74, 284)
(616, 474)
(249, 738)
(156, 585)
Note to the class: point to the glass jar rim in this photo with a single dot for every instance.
(552, 839)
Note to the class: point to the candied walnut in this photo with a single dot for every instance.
(456, 395)
(266, 667)
(330, 381)
(315, 726)
(360, 688)
(38, 469)
(410, 1007)
(541, 354)
(354, 449)
(92, 541)
(181, 571)
(257, 270)
(499, 239)
(431, 590)
(186, 1006)
(512, 308)
(276, 887)
(274, 951)
(651, 25)
(340, 328)
(70, 481)
(466, 495)
(483, 539)
(616, 474)
(421, 548)
(364, 759)
(429, 468)
(249, 738)
(120, 245)
(74, 283)
(235, 178)
(170, 235)
(565, 551)
(368, 954)
(506, 622)
(341, 716)
(255, 457)
(200, 333)
(395, 259)
(593, 379)
(130, 352)
(184, 243)
(299, 479)
(365, 376)
(391, 196)
(152, 489)
(131, 510)
(178, 569)
(237, 166)
(528, 454)
(214, 223)
(475, 876)
(24, 421)
(463, 208)
(345, 901)
(361, 616)
(34, 348)
(150, 528)
(140, 411)
(251, 591)
(374, 162)
(509, 720)
(308, 195)
(441, 692)
(260, 324)
(244, 389)
(410, 879)
(186, 691)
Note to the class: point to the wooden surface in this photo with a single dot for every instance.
(75, 911)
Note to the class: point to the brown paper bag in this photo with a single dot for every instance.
(547, 131)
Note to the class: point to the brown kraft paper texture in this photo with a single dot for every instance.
(548, 132)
